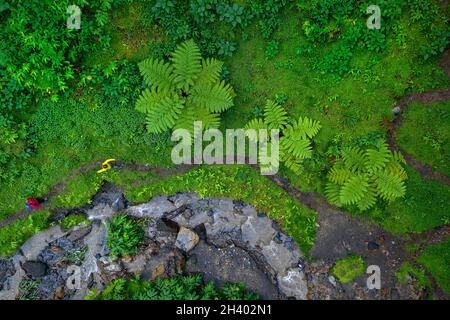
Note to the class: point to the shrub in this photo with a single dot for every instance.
(347, 269)
(124, 235)
(175, 288)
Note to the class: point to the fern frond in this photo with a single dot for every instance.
(187, 64)
(376, 160)
(368, 200)
(210, 72)
(149, 99)
(275, 116)
(216, 98)
(300, 147)
(292, 163)
(332, 191)
(353, 159)
(354, 189)
(390, 186)
(396, 169)
(157, 73)
(308, 126)
(163, 115)
(255, 124)
(339, 176)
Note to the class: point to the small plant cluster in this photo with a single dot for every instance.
(359, 176)
(296, 135)
(212, 23)
(349, 268)
(120, 83)
(188, 89)
(175, 288)
(124, 236)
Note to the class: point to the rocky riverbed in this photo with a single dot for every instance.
(222, 239)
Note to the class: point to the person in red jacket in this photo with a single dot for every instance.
(32, 203)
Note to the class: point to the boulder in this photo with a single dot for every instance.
(155, 208)
(293, 284)
(257, 231)
(35, 269)
(186, 239)
(38, 242)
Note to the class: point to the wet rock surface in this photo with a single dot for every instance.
(222, 239)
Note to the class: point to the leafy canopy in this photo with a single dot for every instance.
(184, 90)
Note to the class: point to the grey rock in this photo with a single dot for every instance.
(102, 211)
(279, 257)
(293, 284)
(79, 232)
(11, 285)
(156, 208)
(183, 199)
(257, 231)
(186, 239)
(226, 225)
(396, 110)
(113, 267)
(35, 269)
(332, 280)
(6, 271)
(38, 242)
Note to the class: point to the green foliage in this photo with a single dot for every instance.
(39, 54)
(214, 24)
(75, 256)
(124, 235)
(28, 290)
(15, 234)
(358, 177)
(349, 268)
(73, 220)
(272, 49)
(175, 288)
(436, 259)
(408, 270)
(185, 91)
(295, 141)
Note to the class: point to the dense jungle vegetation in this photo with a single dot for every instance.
(137, 69)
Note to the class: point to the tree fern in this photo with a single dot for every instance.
(157, 73)
(362, 176)
(187, 64)
(184, 91)
(275, 116)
